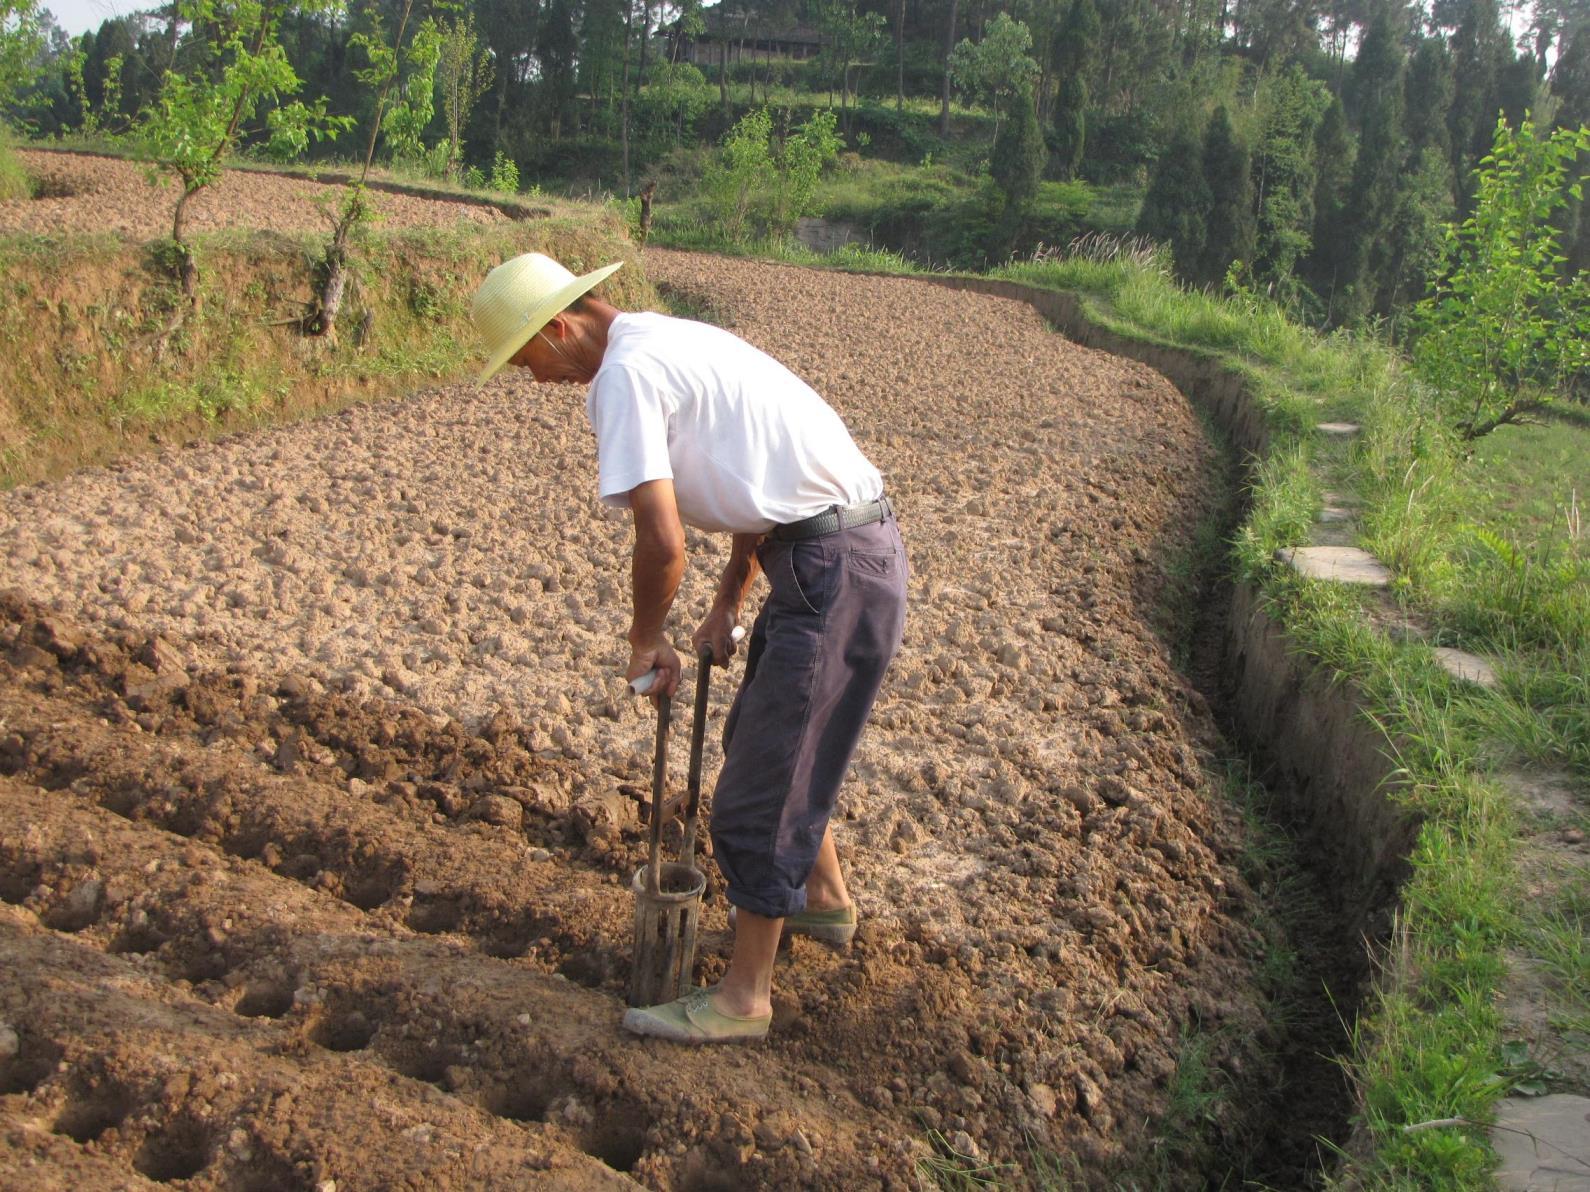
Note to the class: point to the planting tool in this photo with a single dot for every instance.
(668, 893)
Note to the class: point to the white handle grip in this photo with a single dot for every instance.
(643, 683)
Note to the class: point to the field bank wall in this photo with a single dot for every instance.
(100, 358)
(1318, 752)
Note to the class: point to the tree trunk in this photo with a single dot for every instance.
(645, 26)
(899, 55)
(624, 110)
(187, 267)
(949, 44)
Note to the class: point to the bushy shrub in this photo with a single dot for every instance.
(504, 174)
(762, 182)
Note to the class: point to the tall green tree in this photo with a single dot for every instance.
(1333, 174)
(463, 73)
(1429, 90)
(1288, 107)
(1075, 44)
(1018, 161)
(1570, 89)
(1175, 210)
(1229, 227)
(557, 44)
(1377, 173)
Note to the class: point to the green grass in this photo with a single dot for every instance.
(14, 180)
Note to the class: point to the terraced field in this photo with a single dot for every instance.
(319, 793)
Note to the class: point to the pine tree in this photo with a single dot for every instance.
(1570, 87)
(1288, 107)
(1478, 46)
(1333, 173)
(1176, 208)
(1377, 174)
(1230, 225)
(1071, 125)
(1429, 91)
(556, 46)
(1017, 162)
(1075, 47)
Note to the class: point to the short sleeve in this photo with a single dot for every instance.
(630, 415)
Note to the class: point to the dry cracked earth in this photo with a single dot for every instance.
(319, 794)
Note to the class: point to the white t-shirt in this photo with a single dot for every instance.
(747, 443)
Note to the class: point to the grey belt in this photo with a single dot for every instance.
(831, 521)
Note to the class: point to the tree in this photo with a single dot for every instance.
(949, 49)
(1504, 333)
(1071, 124)
(852, 37)
(1377, 174)
(1333, 171)
(1229, 226)
(1570, 88)
(1018, 161)
(556, 47)
(1429, 90)
(201, 113)
(463, 72)
(382, 70)
(997, 67)
(21, 40)
(1176, 207)
(1288, 108)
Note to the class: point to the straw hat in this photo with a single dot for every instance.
(519, 297)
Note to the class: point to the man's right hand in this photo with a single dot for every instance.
(658, 656)
(717, 631)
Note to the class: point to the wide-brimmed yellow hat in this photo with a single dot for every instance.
(519, 297)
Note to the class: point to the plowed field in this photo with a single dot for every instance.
(319, 793)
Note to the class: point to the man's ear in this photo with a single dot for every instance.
(557, 326)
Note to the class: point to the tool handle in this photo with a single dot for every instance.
(641, 684)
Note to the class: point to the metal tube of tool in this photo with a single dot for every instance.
(659, 779)
(698, 737)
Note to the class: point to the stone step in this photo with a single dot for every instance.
(1338, 430)
(1470, 668)
(1343, 564)
(1543, 1143)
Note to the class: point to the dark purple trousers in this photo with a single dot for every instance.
(817, 656)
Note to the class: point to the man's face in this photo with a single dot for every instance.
(548, 359)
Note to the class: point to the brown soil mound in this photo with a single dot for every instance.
(83, 193)
(326, 775)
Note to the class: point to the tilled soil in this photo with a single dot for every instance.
(85, 193)
(324, 793)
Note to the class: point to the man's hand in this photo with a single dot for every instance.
(658, 656)
(717, 631)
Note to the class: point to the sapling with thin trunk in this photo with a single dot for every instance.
(202, 113)
(385, 60)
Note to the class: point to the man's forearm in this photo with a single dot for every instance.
(657, 565)
(739, 573)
